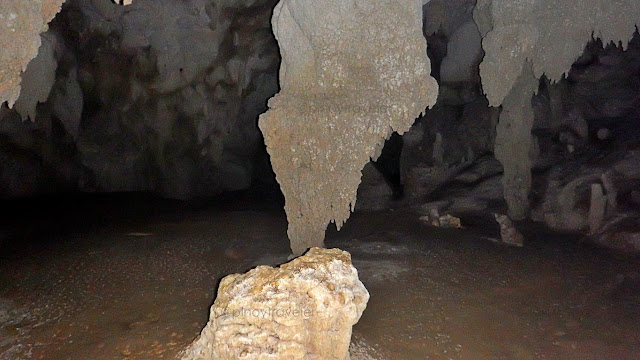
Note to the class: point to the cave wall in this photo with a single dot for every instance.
(157, 96)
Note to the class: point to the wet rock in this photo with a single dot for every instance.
(302, 310)
(443, 221)
(509, 235)
(597, 207)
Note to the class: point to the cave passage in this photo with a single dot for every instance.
(132, 276)
(134, 177)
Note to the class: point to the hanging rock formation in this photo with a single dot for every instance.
(513, 144)
(352, 72)
(21, 23)
(302, 310)
(551, 35)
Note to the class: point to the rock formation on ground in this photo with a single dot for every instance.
(561, 141)
(551, 35)
(304, 309)
(352, 72)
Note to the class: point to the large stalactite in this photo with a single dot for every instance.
(352, 73)
(21, 23)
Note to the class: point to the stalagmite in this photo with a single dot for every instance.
(352, 72)
(597, 208)
(302, 310)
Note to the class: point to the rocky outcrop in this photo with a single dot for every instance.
(448, 141)
(587, 139)
(302, 310)
(352, 72)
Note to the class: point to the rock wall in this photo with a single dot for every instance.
(302, 310)
(352, 72)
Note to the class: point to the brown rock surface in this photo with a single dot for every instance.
(352, 72)
(301, 310)
(21, 23)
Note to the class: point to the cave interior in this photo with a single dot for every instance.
(134, 177)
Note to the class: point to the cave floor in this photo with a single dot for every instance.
(139, 285)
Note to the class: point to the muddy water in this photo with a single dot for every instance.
(138, 286)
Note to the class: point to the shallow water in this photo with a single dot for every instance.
(138, 285)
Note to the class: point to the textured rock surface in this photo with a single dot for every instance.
(576, 198)
(446, 143)
(447, 16)
(463, 55)
(302, 310)
(508, 233)
(522, 34)
(156, 96)
(514, 142)
(21, 23)
(550, 33)
(352, 72)
(374, 193)
(38, 78)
